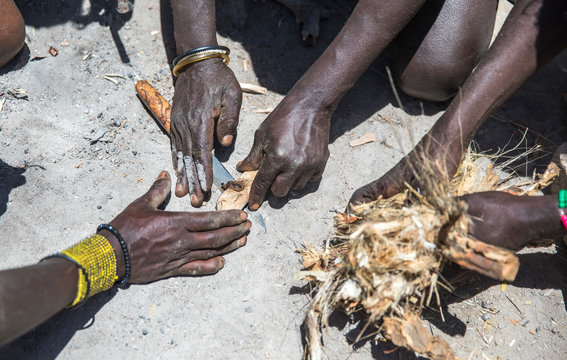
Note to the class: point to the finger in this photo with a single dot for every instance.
(202, 154)
(181, 188)
(254, 158)
(194, 188)
(303, 180)
(200, 267)
(228, 120)
(282, 184)
(174, 156)
(263, 181)
(215, 239)
(211, 253)
(212, 220)
(159, 191)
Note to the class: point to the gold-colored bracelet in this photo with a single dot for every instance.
(96, 261)
(200, 56)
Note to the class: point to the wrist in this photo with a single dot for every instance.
(546, 219)
(120, 264)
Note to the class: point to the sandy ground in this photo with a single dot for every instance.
(56, 187)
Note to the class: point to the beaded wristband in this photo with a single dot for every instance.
(562, 198)
(96, 261)
(200, 54)
(115, 232)
(563, 217)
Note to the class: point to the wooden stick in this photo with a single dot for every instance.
(158, 106)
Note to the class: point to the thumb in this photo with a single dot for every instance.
(159, 191)
(252, 161)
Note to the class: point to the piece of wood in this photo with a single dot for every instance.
(156, 103)
(410, 332)
(237, 193)
(495, 262)
(253, 89)
(364, 139)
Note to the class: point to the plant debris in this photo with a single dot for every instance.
(53, 51)
(253, 89)
(364, 139)
(386, 258)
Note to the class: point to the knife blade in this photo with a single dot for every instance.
(222, 176)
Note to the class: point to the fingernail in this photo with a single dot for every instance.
(178, 189)
(242, 241)
(248, 225)
(221, 262)
(194, 200)
(239, 163)
(243, 216)
(162, 174)
(227, 140)
(254, 207)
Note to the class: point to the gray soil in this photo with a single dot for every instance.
(56, 187)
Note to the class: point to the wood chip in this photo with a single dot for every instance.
(364, 139)
(253, 89)
(263, 111)
(2, 101)
(53, 51)
(64, 43)
(236, 197)
(155, 32)
(245, 65)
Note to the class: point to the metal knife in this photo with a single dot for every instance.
(222, 176)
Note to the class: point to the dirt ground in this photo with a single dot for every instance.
(56, 187)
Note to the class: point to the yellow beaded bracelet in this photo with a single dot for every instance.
(96, 261)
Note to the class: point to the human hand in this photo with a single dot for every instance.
(390, 184)
(164, 244)
(512, 222)
(290, 149)
(206, 91)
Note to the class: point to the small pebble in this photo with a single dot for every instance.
(144, 332)
(485, 317)
(116, 121)
(248, 309)
(484, 304)
(134, 152)
(99, 207)
(554, 330)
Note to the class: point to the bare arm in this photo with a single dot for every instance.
(31, 295)
(291, 145)
(204, 92)
(161, 244)
(533, 34)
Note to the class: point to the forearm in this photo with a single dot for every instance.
(532, 35)
(194, 24)
(369, 29)
(31, 295)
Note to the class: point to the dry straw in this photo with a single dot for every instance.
(386, 259)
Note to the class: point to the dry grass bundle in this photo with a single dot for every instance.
(386, 259)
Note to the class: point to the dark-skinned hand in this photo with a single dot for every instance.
(290, 149)
(204, 92)
(164, 244)
(512, 222)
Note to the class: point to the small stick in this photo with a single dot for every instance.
(156, 103)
